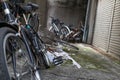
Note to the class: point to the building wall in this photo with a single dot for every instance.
(91, 21)
(42, 11)
(66, 11)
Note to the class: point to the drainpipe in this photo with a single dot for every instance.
(94, 19)
(86, 27)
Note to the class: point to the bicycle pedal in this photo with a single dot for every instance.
(57, 60)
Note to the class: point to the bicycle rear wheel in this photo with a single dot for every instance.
(64, 30)
(34, 22)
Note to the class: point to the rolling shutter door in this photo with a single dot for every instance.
(103, 24)
(114, 46)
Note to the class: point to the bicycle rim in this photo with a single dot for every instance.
(17, 60)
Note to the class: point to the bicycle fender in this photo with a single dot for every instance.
(4, 24)
(67, 28)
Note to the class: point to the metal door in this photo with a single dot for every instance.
(114, 46)
(103, 24)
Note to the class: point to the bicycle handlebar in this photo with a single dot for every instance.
(61, 23)
(51, 17)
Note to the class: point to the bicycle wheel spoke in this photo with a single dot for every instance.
(14, 64)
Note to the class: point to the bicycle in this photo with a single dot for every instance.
(22, 51)
(62, 32)
(59, 28)
(76, 33)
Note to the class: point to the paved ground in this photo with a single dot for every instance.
(95, 66)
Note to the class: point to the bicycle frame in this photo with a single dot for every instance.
(7, 12)
(34, 35)
(14, 21)
(56, 30)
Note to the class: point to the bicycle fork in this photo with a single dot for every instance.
(30, 55)
(33, 66)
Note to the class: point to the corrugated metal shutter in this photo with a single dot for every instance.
(103, 23)
(114, 46)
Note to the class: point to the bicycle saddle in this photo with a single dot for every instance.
(33, 5)
(28, 8)
(61, 23)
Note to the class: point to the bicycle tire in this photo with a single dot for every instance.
(8, 54)
(34, 22)
(43, 59)
(64, 30)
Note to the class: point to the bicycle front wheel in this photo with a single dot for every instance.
(14, 60)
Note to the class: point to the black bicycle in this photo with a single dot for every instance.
(22, 50)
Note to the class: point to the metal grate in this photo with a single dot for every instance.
(103, 23)
(114, 46)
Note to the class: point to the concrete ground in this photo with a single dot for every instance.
(95, 66)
